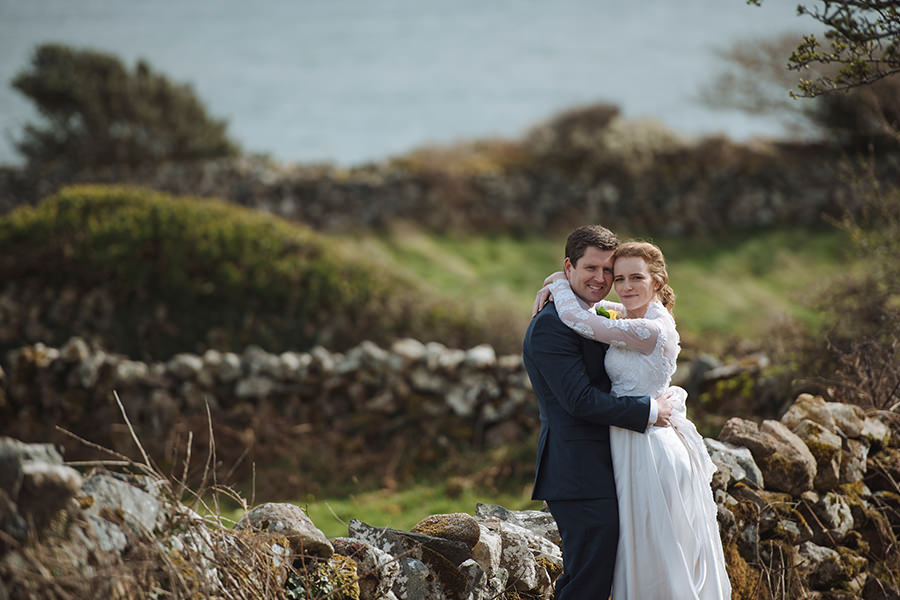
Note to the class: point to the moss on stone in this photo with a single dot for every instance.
(745, 580)
(852, 564)
(855, 490)
(459, 527)
(335, 579)
(821, 451)
(554, 569)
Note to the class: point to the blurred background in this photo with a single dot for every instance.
(349, 82)
(300, 240)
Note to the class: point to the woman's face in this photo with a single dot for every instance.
(634, 285)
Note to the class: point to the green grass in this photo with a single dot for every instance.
(727, 287)
(401, 509)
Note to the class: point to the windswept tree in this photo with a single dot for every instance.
(863, 43)
(97, 112)
(757, 79)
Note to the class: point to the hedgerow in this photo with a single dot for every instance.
(185, 274)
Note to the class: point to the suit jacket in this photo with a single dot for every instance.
(572, 387)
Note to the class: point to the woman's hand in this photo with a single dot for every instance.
(554, 277)
(543, 296)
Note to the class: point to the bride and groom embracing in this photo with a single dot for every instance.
(623, 471)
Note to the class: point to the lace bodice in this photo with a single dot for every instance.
(642, 352)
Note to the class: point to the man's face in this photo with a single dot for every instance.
(591, 279)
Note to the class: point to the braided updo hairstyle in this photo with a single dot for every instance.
(656, 265)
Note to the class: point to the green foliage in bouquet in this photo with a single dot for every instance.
(185, 274)
(97, 113)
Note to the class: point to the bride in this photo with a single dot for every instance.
(669, 545)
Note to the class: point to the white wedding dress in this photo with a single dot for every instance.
(669, 543)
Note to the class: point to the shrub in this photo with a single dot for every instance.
(756, 79)
(99, 113)
(184, 274)
(867, 117)
(855, 355)
(595, 138)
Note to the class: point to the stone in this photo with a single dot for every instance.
(786, 463)
(14, 453)
(46, 489)
(185, 366)
(539, 522)
(441, 557)
(76, 350)
(727, 523)
(130, 373)
(488, 550)
(257, 361)
(721, 477)
(475, 580)
(460, 527)
(322, 360)
(518, 560)
(290, 521)
(461, 400)
(377, 570)
(396, 542)
(739, 461)
(814, 408)
(876, 432)
(697, 371)
(848, 418)
(255, 386)
(87, 372)
(424, 380)
(825, 446)
(446, 360)
(853, 460)
(121, 509)
(826, 568)
(481, 357)
(539, 545)
(294, 365)
(413, 582)
(228, 368)
(370, 355)
(510, 362)
(828, 514)
(411, 350)
(34, 486)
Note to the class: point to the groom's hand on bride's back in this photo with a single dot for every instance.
(664, 406)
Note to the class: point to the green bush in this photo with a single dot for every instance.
(99, 113)
(185, 274)
(854, 354)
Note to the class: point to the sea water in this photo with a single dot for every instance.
(351, 81)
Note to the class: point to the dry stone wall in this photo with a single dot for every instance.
(715, 187)
(787, 532)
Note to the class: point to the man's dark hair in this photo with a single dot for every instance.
(589, 235)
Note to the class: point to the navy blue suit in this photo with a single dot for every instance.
(574, 471)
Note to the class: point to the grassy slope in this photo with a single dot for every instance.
(726, 288)
(191, 273)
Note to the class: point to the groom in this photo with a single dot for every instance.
(574, 473)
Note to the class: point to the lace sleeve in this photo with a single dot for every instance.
(635, 334)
